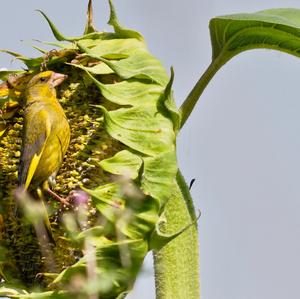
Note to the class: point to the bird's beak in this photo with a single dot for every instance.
(57, 79)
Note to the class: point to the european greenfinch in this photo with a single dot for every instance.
(46, 132)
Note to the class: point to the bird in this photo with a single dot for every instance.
(45, 137)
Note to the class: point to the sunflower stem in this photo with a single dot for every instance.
(188, 105)
(177, 264)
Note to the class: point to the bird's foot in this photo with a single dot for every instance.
(64, 201)
(74, 199)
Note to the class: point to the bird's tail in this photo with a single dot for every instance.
(46, 231)
(36, 213)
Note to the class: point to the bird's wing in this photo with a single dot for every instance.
(36, 132)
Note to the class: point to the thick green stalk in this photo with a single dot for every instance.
(177, 263)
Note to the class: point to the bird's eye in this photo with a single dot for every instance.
(42, 79)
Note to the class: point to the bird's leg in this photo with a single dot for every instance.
(62, 200)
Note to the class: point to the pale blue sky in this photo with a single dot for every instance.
(241, 143)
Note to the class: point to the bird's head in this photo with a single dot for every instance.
(43, 84)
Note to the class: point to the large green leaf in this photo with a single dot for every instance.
(277, 29)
